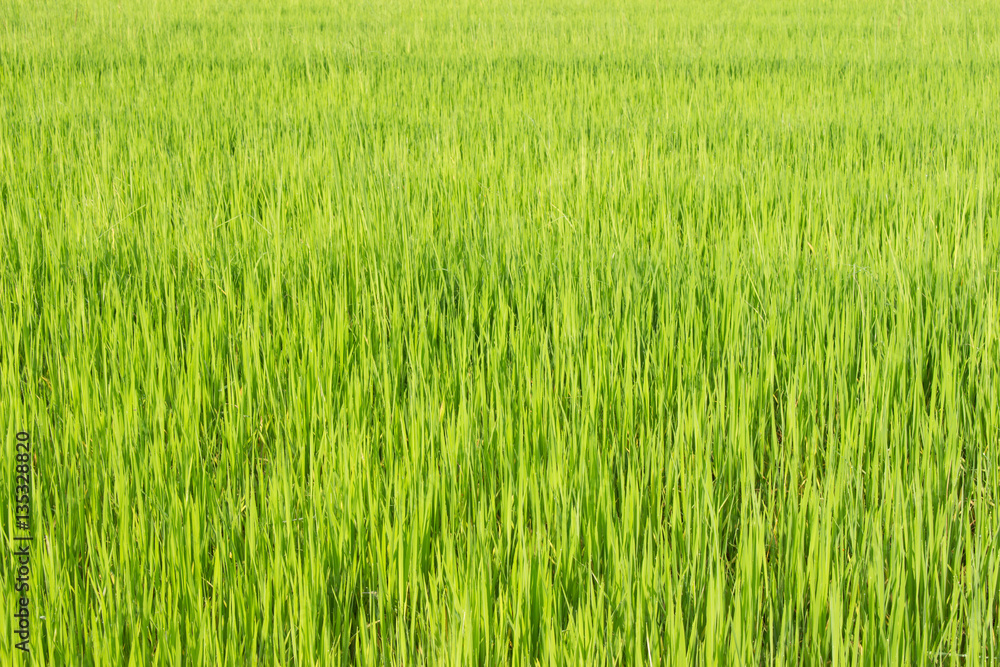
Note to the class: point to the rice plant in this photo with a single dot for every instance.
(551, 332)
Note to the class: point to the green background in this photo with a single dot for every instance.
(544, 333)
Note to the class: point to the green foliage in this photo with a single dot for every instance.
(556, 332)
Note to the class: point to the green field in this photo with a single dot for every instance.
(552, 332)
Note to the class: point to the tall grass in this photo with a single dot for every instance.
(557, 332)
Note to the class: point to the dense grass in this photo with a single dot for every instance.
(555, 332)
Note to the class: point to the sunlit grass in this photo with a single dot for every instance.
(552, 332)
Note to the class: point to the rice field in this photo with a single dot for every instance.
(545, 333)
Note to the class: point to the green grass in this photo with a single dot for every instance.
(552, 333)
